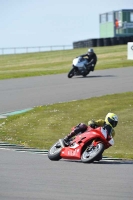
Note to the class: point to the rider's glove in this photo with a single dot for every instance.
(93, 125)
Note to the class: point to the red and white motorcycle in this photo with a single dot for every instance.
(87, 147)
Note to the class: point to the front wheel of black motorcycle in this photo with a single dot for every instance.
(91, 153)
(71, 73)
(54, 152)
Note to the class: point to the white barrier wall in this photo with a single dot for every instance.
(130, 51)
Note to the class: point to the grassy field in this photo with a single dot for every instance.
(55, 62)
(44, 125)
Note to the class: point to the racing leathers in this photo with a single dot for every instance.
(92, 60)
(106, 129)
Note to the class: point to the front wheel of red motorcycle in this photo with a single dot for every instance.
(54, 152)
(91, 153)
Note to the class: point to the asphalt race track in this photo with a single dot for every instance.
(32, 176)
(16, 94)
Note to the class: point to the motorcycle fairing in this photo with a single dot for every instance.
(80, 62)
(75, 149)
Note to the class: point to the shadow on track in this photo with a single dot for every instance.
(96, 76)
(116, 162)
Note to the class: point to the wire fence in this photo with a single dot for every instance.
(19, 50)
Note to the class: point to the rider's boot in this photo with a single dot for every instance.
(79, 128)
(92, 67)
(68, 138)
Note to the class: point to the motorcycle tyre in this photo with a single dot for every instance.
(85, 74)
(71, 73)
(91, 159)
(56, 155)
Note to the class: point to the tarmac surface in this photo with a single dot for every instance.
(30, 175)
(23, 93)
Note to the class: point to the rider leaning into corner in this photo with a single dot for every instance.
(107, 128)
(92, 59)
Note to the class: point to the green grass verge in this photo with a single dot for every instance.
(44, 125)
(56, 62)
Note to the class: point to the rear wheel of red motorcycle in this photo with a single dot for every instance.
(91, 153)
(54, 152)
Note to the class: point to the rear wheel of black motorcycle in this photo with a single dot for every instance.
(54, 152)
(91, 153)
(71, 73)
(85, 74)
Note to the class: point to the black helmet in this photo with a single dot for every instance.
(90, 51)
